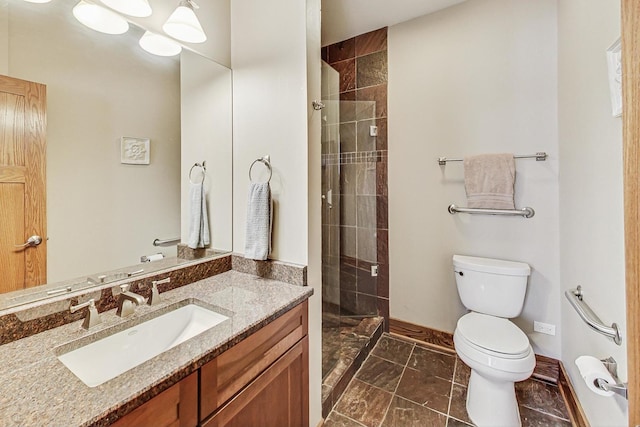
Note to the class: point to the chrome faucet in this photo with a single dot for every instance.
(127, 301)
(92, 318)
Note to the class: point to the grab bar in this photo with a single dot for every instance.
(540, 156)
(167, 242)
(525, 212)
(575, 297)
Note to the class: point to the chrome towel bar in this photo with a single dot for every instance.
(540, 156)
(575, 297)
(166, 242)
(525, 212)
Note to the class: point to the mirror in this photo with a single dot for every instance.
(103, 214)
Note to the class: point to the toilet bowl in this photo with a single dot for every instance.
(498, 355)
(497, 351)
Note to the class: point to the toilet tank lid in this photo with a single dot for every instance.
(489, 265)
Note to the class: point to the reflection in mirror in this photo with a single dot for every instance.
(103, 214)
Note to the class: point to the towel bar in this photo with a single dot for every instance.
(540, 156)
(525, 212)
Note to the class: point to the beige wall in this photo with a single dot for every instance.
(270, 117)
(274, 45)
(479, 77)
(591, 201)
(4, 37)
(101, 214)
(314, 263)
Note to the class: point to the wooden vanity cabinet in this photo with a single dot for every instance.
(177, 406)
(277, 398)
(257, 363)
(263, 381)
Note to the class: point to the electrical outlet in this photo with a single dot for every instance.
(373, 130)
(544, 328)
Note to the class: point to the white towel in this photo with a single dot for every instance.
(489, 181)
(199, 220)
(259, 220)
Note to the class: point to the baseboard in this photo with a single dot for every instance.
(422, 334)
(547, 369)
(576, 414)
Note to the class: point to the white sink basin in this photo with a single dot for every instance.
(102, 360)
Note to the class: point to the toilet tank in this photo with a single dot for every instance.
(491, 286)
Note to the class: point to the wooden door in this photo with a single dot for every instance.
(631, 146)
(23, 124)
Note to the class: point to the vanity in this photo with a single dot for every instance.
(253, 364)
(251, 368)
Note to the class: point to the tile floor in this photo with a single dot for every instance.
(345, 346)
(402, 384)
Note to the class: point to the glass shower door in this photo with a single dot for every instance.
(330, 219)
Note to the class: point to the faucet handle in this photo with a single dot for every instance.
(91, 304)
(92, 318)
(154, 299)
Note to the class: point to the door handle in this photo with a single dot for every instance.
(329, 198)
(31, 241)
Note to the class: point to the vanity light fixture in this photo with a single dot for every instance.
(183, 23)
(137, 8)
(157, 44)
(100, 18)
(37, 1)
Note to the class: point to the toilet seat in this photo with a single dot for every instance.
(492, 335)
(513, 360)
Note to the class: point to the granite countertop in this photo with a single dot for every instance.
(37, 389)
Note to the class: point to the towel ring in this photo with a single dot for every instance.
(204, 170)
(265, 161)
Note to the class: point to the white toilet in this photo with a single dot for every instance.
(495, 349)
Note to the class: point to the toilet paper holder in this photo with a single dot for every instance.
(618, 388)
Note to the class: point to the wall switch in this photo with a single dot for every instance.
(373, 130)
(544, 328)
(374, 271)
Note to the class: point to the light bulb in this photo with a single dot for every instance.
(159, 45)
(183, 24)
(100, 19)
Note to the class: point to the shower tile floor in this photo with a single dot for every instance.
(346, 342)
(403, 384)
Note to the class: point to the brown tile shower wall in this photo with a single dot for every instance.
(362, 65)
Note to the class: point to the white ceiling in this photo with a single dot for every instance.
(343, 19)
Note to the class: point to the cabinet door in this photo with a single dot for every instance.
(230, 372)
(177, 406)
(277, 398)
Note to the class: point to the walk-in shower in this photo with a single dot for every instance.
(355, 284)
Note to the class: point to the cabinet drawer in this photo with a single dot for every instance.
(177, 406)
(235, 368)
